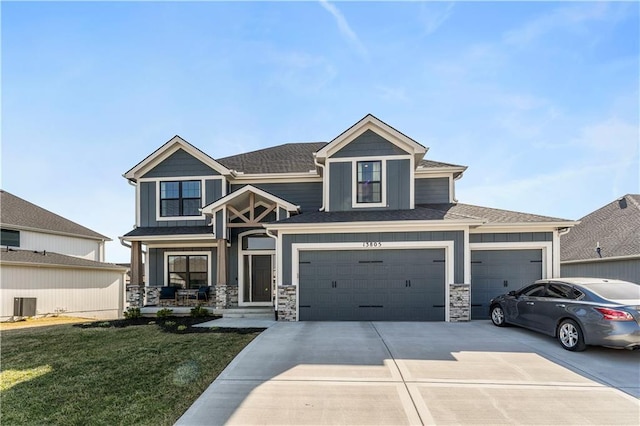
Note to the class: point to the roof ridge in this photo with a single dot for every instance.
(633, 199)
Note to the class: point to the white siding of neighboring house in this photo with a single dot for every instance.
(71, 246)
(89, 293)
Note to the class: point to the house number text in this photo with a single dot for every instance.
(371, 244)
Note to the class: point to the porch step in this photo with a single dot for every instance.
(254, 313)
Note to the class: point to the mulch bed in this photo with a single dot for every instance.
(177, 325)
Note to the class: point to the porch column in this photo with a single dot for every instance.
(135, 289)
(221, 277)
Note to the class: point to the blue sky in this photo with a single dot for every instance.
(539, 100)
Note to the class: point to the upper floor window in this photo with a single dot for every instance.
(180, 198)
(10, 238)
(369, 185)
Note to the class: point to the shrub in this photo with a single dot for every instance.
(132, 313)
(164, 313)
(182, 327)
(169, 323)
(105, 324)
(199, 311)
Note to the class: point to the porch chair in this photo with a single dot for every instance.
(167, 294)
(203, 293)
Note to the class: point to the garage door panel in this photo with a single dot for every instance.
(495, 272)
(372, 285)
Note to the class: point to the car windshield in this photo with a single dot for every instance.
(616, 291)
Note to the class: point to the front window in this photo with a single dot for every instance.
(180, 198)
(188, 271)
(369, 187)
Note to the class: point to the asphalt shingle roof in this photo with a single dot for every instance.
(14, 211)
(424, 212)
(143, 231)
(50, 258)
(615, 227)
(289, 158)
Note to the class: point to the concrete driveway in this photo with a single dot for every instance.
(397, 373)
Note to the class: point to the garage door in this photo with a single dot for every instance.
(372, 285)
(495, 272)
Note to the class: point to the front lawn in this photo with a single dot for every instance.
(98, 374)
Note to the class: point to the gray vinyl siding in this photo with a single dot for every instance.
(624, 269)
(340, 185)
(515, 237)
(369, 144)
(432, 190)
(398, 179)
(212, 192)
(157, 266)
(180, 164)
(456, 236)
(219, 224)
(398, 184)
(307, 195)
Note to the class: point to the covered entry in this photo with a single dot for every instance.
(495, 272)
(372, 285)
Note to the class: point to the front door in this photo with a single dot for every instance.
(261, 278)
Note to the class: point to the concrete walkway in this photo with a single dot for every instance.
(362, 373)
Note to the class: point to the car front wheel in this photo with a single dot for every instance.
(570, 336)
(497, 316)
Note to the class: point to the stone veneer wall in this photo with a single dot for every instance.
(152, 296)
(135, 296)
(226, 296)
(287, 303)
(459, 302)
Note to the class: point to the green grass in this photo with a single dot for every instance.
(137, 375)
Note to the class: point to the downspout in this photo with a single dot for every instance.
(453, 198)
(556, 249)
(315, 161)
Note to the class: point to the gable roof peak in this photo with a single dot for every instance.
(371, 122)
(166, 150)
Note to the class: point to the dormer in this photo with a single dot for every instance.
(371, 165)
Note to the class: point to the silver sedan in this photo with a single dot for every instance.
(577, 311)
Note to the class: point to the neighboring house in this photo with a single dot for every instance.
(55, 261)
(606, 243)
(360, 228)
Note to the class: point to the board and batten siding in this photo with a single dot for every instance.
(149, 200)
(88, 293)
(397, 179)
(432, 190)
(71, 246)
(307, 195)
(510, 237)
(180, 164)
(456, 236)
(369, 144)
(623, 269)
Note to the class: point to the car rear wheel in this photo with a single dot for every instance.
(570, 336)
(497, 316)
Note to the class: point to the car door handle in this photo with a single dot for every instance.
(530, 303)
(561, 305)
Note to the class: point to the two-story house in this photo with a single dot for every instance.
(363, 227)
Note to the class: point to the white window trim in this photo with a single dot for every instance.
(241, 254)
(185, 179)
(354, 183)
(186, 253)
(449, 256)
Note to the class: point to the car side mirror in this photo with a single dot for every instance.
(511, 293)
